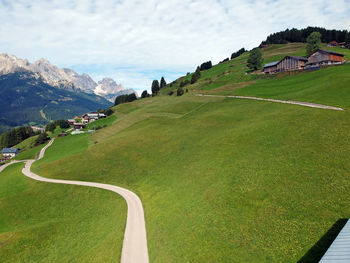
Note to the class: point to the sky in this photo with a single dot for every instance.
(136, 41)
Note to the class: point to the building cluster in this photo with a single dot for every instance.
(338, 44)
(314, 61)
(80, 122)
(8, 153)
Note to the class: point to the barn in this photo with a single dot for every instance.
(290, 63)
(324, 57)
(270, 68)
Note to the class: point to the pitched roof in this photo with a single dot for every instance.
(298, 58)
(329, 52)
(271, 64)
(9, 150)
(333, 42)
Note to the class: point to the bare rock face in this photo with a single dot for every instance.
(10, 64)
(109, 89)
(63, 77)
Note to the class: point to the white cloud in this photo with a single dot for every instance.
(148, 37)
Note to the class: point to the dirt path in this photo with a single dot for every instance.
(306, 104)
(135, 241)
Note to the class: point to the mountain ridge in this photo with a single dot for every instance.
(61, 77)
(26, 99)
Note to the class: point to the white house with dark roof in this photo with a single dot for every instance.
(9, 152)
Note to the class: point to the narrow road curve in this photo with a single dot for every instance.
(306, 104)
(135, 240)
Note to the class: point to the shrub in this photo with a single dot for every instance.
(171, 93)
(50, 127)
(184, 82)
(42, 138)
(179, 92)
(108, 111)
(196, 75)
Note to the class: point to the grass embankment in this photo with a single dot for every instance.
(231, 181)
(42, 222)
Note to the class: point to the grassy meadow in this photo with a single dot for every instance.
(220, 179)
(43, 222)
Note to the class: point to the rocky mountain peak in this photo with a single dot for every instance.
(63, 77)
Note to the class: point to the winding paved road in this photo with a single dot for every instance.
(135, 240)
(306, 104)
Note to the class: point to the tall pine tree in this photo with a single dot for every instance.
(155, 87)
(162, 83)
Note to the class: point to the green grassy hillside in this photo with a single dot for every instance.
(42, 222)
(231, 78)
(221, 180)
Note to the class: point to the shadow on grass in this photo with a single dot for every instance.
(319, 249)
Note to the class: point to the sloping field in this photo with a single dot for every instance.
(221, 179)
(42, 222)
(231, 181)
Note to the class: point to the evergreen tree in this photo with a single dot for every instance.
(108, 111)
(313, 43)
(144, 94)
(196, 75)
(155, 87)
(15, 136)
(62, 123)
(50, 127)
(125, 98)
(238, 53)
(206, 65)
(162, 83)
(42, 138)
(255, 59)
(179, 91)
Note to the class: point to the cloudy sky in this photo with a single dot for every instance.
(135, 41)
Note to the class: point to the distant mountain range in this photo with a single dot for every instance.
(27, 99)
(63, 78)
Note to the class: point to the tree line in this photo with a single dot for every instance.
(125, 98)
(15, 136)
(300, 35)
(313, 41)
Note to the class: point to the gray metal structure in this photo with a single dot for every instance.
(339, 251)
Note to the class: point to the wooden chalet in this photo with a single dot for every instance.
(336, 44)
(332, 44)
(288, 63)
(323, 58)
